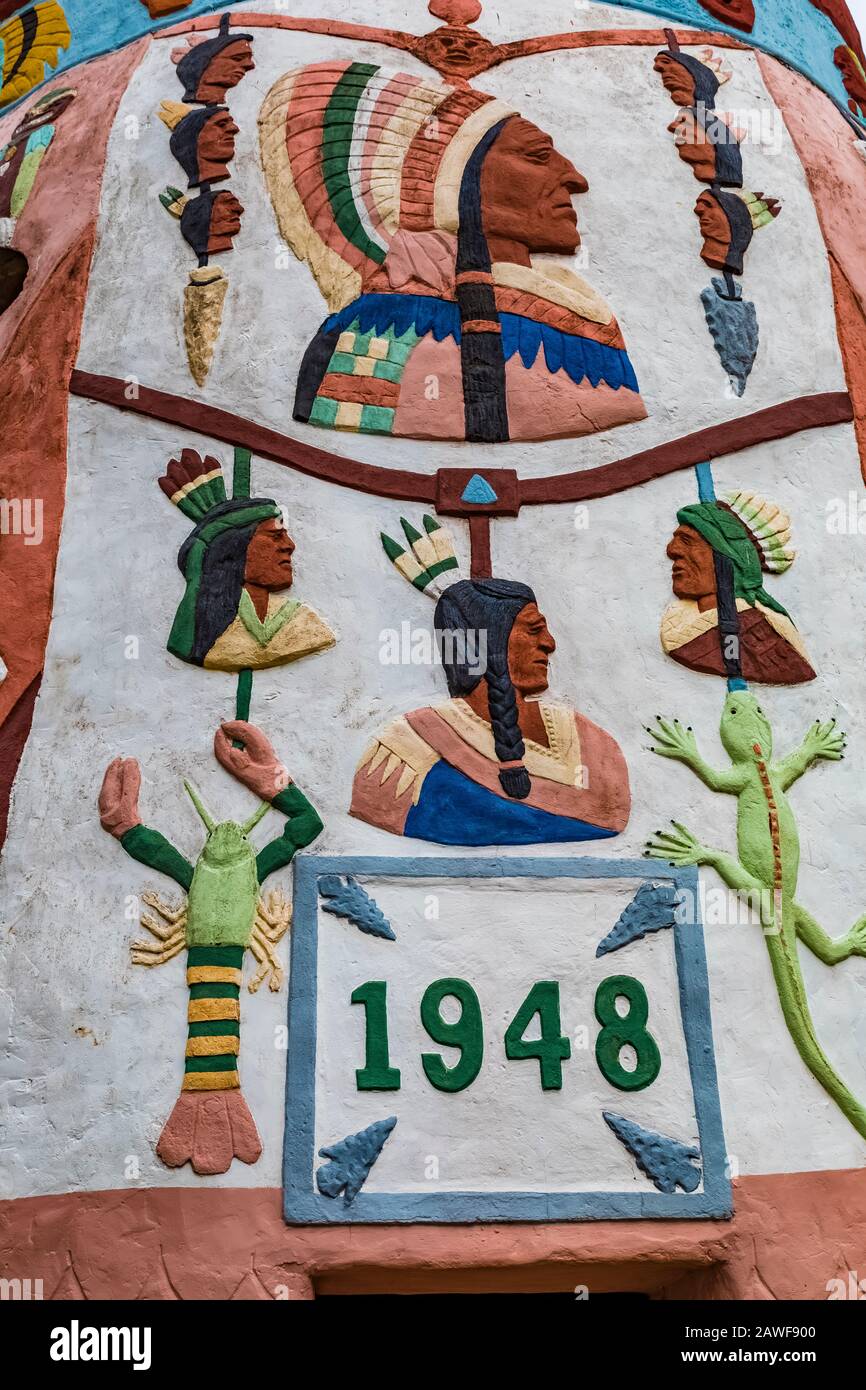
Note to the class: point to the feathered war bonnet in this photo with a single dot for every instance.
(360, 160)
(213, 556)
(753, 534)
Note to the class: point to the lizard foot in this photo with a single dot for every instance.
(856, 938)
(674, 740)
(825, 741)
(677, 846)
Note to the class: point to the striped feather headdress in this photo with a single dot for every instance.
(194, 484)
(353, 153)
(769, 528)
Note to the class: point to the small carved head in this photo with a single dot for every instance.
(208, 69)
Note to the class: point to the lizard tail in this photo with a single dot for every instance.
(211, 1123)
(792, 997)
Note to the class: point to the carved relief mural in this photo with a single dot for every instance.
(728, 215)
(203, 143)
(235, 563)
(724, 621)
(519, 988)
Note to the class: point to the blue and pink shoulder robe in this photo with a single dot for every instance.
(391, 363)
(422, 778)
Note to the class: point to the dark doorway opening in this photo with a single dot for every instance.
(13, 273)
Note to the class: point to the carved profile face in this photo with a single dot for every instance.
(530, 646)
(676, 79)
(523, 161)
(216, 146)
(225, 70)
(709, 146)
(738, 13)
(269, 556)
(693, 574)
(225, 222)
(454, 50)
(715, 230)
(693, 145)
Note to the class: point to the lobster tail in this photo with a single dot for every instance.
(208, 1129)
(211, 1123)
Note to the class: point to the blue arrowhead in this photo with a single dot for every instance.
(479, 491)
(665, 1161)
(733, 325)
(652, 908)
(351, 901)
(351, 1160)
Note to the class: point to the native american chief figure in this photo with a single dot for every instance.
(497, 764)
(723, 621)
(236, 565)
(418, 207)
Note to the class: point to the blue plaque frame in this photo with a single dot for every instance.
(303, 1204)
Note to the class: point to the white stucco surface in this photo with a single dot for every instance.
(502, 1132)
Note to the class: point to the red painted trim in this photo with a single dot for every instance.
(790, 1234)
(267, 443)
(14, 732)
(776, 422)
(486, 58)
(604, 38)
(334, 28)
(481, 564)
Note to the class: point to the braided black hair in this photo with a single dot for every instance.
(490, 606)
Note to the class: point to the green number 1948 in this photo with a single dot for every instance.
(550, 1049)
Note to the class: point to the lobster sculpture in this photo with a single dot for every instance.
(224, 916)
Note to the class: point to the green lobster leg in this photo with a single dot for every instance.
(150, 847)
(302, 827)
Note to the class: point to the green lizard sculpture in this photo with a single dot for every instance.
(769, 858)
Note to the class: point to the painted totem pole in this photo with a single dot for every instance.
(587, 372)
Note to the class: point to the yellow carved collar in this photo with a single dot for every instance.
(560, 762)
